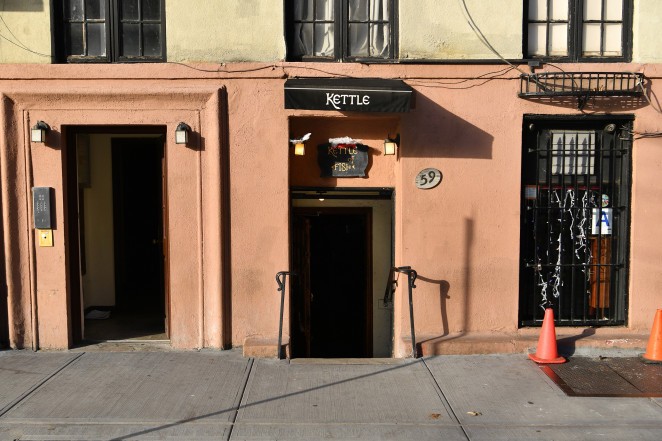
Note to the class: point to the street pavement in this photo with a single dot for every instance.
(204, 395)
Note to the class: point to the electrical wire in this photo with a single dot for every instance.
(18, 42)
(641, 135)
(474, 27)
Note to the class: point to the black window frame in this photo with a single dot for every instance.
(341, 22)
(575, 28)
(113, 36)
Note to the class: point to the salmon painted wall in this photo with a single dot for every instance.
(462, 237)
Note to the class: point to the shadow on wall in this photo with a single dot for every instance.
(430, 131)
(22, 5)
(444, 287)
(594, 104)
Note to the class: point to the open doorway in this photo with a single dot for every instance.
(121, 245)
(341, 251)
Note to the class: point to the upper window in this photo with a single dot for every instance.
(112, 30)
(579, 30)
(341, 29)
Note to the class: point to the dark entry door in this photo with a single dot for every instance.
(332, 296)
(138, 220)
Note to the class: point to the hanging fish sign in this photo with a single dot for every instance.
(428, 178)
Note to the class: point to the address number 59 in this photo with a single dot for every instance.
(428, 178)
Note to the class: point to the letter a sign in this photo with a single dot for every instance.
(602, 221)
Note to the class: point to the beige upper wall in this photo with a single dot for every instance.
(225, 30)
(647, 22)
(25, 29)
(252, 30)
(438, 29)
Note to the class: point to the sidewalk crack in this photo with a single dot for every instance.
(239, 399)
(34, 388)
(445, 401)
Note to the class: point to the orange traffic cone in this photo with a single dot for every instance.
(546, 352)
(654, 349)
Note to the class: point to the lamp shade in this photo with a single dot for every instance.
(38, 132)
(299, 149)
(181, 133)
(389, 147)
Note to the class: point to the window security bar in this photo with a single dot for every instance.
(391, 284)
(281, 278)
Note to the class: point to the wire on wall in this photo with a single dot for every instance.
(18, 42)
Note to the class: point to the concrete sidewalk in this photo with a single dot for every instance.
(221, 395)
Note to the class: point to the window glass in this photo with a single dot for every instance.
(130, 39)
(324, 10)
(614, 10)
(75, 39)
(558, 36)
(537, 44)
(358, 40)
(152, 40)
(612, 39)
(130, 10)
(591, 39)
(324, 39)
(537, 9)
(592, 9)
(379, 40)
(74, 11)
(303, 39)
(379, 10)
(559, 10)
(358, 10)
(303, 10)
(151, 9)
(96, 39)
(95, 9)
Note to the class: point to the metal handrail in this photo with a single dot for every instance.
(281, 278)
(388, 297)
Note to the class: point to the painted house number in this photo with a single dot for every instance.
(428, 178)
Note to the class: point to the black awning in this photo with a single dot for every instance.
(348, 94)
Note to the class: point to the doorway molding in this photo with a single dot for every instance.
(39, 287)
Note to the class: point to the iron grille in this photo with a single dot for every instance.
(575, 211)
(581, 84)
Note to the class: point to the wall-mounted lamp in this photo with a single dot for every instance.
(299, 144)
(390, 144)
(181, 133)
(38, 132)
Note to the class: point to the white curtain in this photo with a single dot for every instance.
(369, 39)
(322, 32)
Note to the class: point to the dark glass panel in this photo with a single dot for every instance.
(130, 37)
(152, 40)
(130, 10)
(151, 9)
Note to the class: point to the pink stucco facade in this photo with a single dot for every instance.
(228, 214)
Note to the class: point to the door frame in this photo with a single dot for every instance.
(368, 295)
(73, 222)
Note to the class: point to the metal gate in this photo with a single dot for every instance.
(575, 220)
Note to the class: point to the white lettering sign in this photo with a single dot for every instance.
(336, 100)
